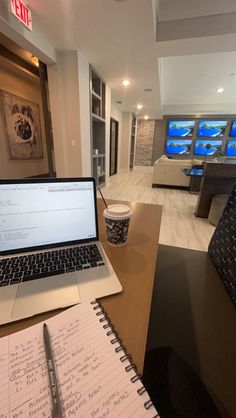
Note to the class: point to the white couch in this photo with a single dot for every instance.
(169, 172)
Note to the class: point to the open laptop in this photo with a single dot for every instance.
(50, 256)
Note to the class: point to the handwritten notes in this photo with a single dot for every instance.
(93, 381)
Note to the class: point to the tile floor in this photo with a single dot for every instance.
(179, 226)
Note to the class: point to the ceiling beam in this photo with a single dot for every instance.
(193, 46)
(196, 27)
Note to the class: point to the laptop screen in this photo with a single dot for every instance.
(41, 213)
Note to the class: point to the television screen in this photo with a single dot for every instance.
(178, 146)
(181, 128)
(231, 149)
(233, 130)
(207, 146)
(212, 128)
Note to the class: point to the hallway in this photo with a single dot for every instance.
(179, 225)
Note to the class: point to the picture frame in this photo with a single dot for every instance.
(22, 127)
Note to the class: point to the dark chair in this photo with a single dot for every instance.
(222, 247)
(175, 389)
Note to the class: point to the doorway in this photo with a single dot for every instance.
(114, 129)
(25, 133)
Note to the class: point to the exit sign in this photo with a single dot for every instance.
(22, 12)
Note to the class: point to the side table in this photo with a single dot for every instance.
(195, 175)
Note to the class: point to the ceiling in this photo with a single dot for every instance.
(182, 50)
(117, 37)
(194, 79)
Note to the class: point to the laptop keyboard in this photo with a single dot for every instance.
(50, 263)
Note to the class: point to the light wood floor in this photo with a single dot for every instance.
(179, 226)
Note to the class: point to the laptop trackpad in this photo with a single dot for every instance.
(44, 295)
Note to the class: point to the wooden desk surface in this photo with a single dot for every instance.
(135, 265)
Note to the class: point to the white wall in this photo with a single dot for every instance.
(70, 107)
(125, 140)
(65, 102)
(84, 109)
(108, 116)
(117, 115)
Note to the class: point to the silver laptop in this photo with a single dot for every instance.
(50, 255)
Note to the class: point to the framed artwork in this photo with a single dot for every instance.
(22, 127)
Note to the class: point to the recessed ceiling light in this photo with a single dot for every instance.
(139, 106)
(146, 117)
(220, 90)
(147, 89)
(125, 82)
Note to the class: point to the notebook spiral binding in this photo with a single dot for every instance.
(126, 357)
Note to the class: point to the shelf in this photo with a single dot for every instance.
(132, 142)
(98, 155)
(95, 95)
(97, 118)
(102, 184)
(97, 92)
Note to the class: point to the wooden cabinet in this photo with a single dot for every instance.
(218, 178)
(98, 127)
(132, 141)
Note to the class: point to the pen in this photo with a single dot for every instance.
(56, 404)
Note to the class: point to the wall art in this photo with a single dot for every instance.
(22, 127)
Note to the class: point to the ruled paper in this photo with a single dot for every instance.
(92, 380)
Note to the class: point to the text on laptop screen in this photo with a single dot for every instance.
(39, 214)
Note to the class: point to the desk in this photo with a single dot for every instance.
(135, 265)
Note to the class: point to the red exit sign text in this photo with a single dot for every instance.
(22, 12)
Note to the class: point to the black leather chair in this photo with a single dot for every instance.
(222, 247)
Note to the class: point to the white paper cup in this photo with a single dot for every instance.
(117, 218)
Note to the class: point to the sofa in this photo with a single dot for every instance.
(169, 172)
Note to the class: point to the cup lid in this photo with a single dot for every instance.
(118, 211)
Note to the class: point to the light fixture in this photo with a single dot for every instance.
(125, 82)
(146, 117)
(139, 106)
(220, 90)
(35, 60)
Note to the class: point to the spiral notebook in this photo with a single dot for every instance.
(95, 375)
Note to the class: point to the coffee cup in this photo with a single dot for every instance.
(117, 219)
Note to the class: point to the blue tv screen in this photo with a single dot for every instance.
(212, 128)
(178, 146)
(207, 146)
(181, 128)
(231, 149)
(233, 130)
